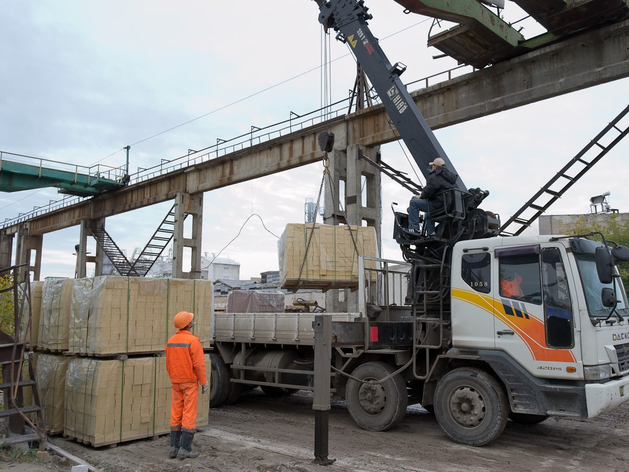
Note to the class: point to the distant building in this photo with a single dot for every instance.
(214, 268)
(564, 224)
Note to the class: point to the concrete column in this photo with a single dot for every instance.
(191, 206)
(332, 194)
(82, 258)
(6, 249)
(28, 252)
(361, 200)
(363, 189)
(336, 300)
(100, 254)
(81, 251)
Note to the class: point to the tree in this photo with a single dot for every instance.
(7, 316)
(614, 230)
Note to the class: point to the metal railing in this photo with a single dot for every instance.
(97, 171)
(223, 147)
(383, 283)
(244, 141)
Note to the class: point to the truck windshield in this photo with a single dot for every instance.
(592, 287)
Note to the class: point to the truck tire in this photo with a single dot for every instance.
(233, 394)
(471, 406)
(523, 418)
(219, 381)
(374, 406)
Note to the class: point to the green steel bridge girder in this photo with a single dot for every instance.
(15, 177)
(465, 12)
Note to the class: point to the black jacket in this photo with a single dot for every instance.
(436, 182)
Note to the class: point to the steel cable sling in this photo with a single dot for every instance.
(326, 141)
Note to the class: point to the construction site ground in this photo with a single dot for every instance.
(261, 434)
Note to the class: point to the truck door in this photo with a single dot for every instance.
(534, 322)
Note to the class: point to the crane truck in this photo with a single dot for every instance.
(479, 328)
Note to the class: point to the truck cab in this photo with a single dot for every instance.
(535, 312)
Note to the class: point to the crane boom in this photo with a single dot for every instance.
(349, 18)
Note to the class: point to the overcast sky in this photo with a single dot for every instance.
(82, 79)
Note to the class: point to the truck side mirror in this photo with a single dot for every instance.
(608, 297)
(620, 253)
(604, 266)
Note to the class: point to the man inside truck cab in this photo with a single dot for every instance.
(438, 180)
(510, 283)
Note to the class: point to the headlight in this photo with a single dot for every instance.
(597, 372)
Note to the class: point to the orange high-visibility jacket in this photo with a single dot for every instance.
(184, 358)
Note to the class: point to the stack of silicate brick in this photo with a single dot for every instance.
(100, 354)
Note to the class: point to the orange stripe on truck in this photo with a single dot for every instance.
(527, 326)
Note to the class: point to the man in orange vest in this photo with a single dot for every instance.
(510, 284)
(186, 367)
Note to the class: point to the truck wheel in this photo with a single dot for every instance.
(523, 418)
(471, 406)
(374, 406)
(233, 394)
(219, 381)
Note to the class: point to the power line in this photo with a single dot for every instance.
(259, 92)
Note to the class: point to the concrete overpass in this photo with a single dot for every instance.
(591, 59)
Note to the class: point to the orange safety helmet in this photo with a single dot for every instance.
(183, 319)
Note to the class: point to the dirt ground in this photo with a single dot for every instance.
(261, 434)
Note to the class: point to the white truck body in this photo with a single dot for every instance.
(540, 353)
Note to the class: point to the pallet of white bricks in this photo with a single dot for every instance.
(324, 256)
(113, 401)
(51, 380)
(104, 337)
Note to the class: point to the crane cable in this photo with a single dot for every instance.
(326, 173)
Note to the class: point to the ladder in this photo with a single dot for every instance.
(156, 245)
(431, 309)
(396, 175)
(113, 252)
(13, 395)
(566, 177)
(12, 353)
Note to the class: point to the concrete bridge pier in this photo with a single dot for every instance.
(29, 252)
(191, 206)
(6, 249)
(81, 249)
(360, 196)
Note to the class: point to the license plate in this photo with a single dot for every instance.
(622, 390)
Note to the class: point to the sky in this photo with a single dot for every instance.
(83, 79)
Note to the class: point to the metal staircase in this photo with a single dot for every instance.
(113, 252)
(13, 394)
(431, 287)
(156, 245)
(395, 175)
(566, 177)
(13, 354)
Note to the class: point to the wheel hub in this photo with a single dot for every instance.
(372, 397)
(467, 406)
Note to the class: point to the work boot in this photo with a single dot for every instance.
(185, 451)
(175, 442)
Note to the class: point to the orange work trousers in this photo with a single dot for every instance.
(183, 410)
